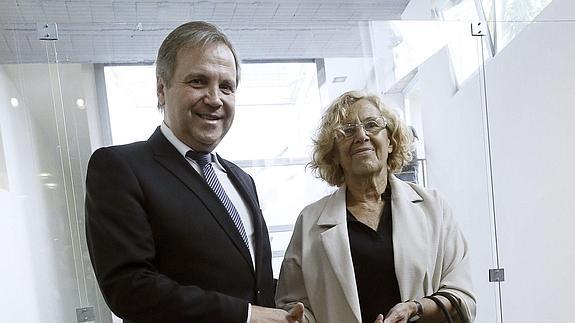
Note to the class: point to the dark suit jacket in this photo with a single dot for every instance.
(162, 245)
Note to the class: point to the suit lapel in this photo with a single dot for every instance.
(336, 245)
(410, 237)
(169, 157)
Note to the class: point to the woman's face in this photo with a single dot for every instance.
(364, 151)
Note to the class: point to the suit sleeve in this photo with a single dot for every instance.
(456, 273)
(291, 284)
(122, 250)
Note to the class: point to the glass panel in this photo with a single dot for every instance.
(489, 12)
(448, 117)
(530, 96)
(45, 148)
(63, 114)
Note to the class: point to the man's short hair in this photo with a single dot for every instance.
(190, 35)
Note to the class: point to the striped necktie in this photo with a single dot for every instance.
(204, 160)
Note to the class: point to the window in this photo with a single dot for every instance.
(413, 42)
(512, 16)
(463, 47)
(132, 102)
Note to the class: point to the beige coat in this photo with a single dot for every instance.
(430, 253)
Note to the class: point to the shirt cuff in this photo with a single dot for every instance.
(249, 313)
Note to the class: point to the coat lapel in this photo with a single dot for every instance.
(169, 157)
(336, 245)
(410, 237)
(409, 242)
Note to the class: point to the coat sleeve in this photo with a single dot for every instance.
(291, 284)
(122, 250)
(455, 268)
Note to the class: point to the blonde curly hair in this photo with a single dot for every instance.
(323, 165)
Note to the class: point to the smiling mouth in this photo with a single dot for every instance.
(363, 150)
(208, 117)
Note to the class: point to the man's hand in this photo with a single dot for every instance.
(274, 315)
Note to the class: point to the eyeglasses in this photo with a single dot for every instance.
(371, 126)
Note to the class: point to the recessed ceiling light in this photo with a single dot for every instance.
(44, 175)
(14, 102)
(339, 79)
(80, 103)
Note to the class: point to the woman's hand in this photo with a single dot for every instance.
(400, 313)
(296, 314)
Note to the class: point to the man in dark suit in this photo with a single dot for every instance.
(165, 243)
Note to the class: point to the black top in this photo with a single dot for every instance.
(373, 264)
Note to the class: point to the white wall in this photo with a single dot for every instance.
(530, 94)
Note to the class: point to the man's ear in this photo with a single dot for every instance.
(160, 91)
(389, 149)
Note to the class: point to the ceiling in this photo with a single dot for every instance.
(128, 31)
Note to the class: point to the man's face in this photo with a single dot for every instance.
(199, 105)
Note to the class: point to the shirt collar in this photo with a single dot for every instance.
(182, 147)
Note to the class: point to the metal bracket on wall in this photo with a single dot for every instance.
(496, 275)
(47, 31)
(478, 29)
(85, 314)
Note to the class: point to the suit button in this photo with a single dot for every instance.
(259, 292)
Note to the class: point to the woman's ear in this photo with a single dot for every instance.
(333, 157)
(389, 149)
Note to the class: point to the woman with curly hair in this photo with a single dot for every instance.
(377, 249)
